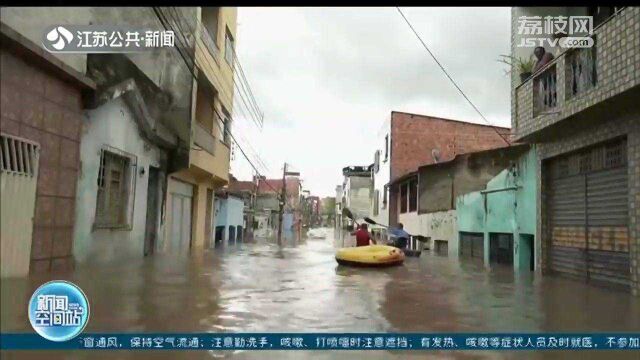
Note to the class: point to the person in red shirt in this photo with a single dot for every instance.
(362, 236)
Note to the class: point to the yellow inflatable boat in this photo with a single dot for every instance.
(370, 256)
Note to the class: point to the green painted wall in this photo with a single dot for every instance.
(511, 211)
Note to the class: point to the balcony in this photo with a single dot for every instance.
(581, 78)
(204, 138)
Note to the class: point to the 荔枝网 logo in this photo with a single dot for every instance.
(58, 310)
(59, 37)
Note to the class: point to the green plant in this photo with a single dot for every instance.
(522, 65)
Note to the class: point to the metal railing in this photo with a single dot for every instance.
(545, 91)
(581, 71)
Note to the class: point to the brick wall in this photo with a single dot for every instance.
(618, 70)
(414, 136)
(38, 106)
(625, 125)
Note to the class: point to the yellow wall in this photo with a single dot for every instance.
(199, 239)
(208, 171)
(216, 68)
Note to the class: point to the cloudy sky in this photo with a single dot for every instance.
(326, 79)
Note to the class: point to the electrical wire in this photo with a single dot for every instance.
(176, 19)
(254, 112)
(449, 76)
(167, 26)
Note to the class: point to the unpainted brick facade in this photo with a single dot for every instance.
(38, 106)
(413, 137)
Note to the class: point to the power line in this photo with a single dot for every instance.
(449, 76)
(199, 42)
(167, 26)
(253, 110)
(176, 19)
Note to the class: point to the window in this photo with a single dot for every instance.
(386, 148)
(116, 184)
(413, 195)
(404, 192)
(376, 162)
(229, 45)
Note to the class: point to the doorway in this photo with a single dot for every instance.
(151, 225)
(501, 249)
(526, 252)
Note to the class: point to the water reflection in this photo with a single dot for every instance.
(256, 285)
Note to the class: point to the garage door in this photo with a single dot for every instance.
(472, 245)
(588, 213)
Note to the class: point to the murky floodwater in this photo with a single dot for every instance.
(261, 287)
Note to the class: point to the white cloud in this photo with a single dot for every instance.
(326, 78)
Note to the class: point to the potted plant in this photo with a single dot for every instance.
(522, 65)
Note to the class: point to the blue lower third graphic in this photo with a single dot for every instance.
(330, 341)
(58, 311)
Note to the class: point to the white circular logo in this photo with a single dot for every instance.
(59, 37)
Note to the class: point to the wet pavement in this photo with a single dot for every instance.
(261, 287)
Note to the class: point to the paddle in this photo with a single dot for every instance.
(346, 212)
(417, 237)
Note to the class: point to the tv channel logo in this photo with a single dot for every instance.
(58, 310)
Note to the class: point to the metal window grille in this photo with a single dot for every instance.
(582, 70)
(18, 156)
(615, 154)
(116, 189)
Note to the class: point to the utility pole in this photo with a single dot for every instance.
(283, 198)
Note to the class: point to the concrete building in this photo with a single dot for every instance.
(581, 111)
(268, 202)
(156, 135)
(407, 141)
(190, 189)
(230, 221)
(41, 109)
(247, 191)
(426, 198)
(357, 191)
(497, 224)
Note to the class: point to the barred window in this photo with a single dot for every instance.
(585, 162)
(116, 184)
(615, 154)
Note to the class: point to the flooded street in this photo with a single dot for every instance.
(260, 287)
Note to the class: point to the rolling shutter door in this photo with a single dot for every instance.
(588, 213)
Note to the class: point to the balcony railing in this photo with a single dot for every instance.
(204, 138)
(581, 71)
(581, 77)
(545, 91)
